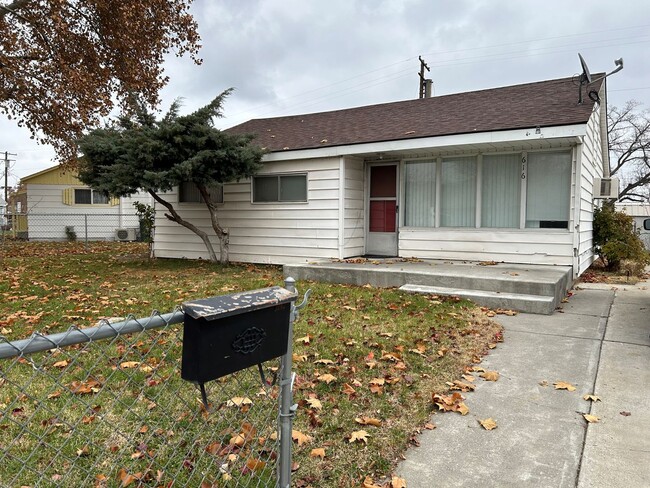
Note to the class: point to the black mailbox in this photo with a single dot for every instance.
(228, 333)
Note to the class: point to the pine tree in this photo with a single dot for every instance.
(139, 152)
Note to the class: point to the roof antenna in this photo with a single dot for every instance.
(586, 78)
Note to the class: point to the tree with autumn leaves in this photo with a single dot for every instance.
(139, 151)
(64, 63)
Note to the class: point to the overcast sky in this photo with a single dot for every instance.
(288, 57)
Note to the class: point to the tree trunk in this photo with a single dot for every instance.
(222, 234)
(174, 217)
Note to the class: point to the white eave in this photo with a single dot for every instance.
(519, 139)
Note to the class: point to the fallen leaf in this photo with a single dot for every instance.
(359, 436)
(129, 364)
(61, 364)
(318, 452)
(255, 464)
(368, 483)
(327, 378)
(592, 419)
(299, 358)
(315, 403)
(397, 482)
(368, 421)
(324, 361)
(299, 437)
(593, 398)
(239, 401)
(488, 424)
(430, 426)
(348, 390)
(489, 375)
(305, 340)
(625, 414)
(562, 385)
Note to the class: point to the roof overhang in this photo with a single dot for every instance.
(496, 141)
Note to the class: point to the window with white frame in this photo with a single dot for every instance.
(420, 195)
(189, 193)
(458, 192)
(548, 190)
(501, 191)
(280, 188)
(451, 192)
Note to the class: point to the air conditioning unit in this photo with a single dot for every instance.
(606, 188)
(125, 234)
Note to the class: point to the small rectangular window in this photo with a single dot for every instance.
(280, 188)
(82, 196)
(189, 193)
(99, 198)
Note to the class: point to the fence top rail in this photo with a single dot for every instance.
(38, 342)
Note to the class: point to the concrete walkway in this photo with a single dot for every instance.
(599, 343)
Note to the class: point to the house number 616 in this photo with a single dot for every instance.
(523, 168)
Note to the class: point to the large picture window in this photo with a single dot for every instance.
(280, 188)
(451, 192)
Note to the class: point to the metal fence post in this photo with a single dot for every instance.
(86, 230)
(287, 409)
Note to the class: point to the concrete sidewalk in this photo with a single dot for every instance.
(600, 344)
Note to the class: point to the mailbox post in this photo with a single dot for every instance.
(229, 333)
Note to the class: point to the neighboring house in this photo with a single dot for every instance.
(52, 200)
(639, 212)
(504, 174)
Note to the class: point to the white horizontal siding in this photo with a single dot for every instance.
(275, 233)
(524, 247)
(592, 167)
(354, 209)
(48, 216)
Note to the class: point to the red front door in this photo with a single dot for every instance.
(382, 219)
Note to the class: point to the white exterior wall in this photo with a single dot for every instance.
(591, 159)
(48, 216)
(354, 209)
(274, 233)
(526, 246)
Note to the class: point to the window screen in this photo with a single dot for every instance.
(280, 188)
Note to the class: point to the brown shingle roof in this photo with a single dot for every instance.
(545, 103)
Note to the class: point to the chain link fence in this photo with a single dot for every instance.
(105, 406)
(82, 227)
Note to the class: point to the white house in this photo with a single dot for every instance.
(503, 174)
(639, 212)
(52, 200)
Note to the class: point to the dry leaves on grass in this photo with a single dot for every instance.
(359, 436)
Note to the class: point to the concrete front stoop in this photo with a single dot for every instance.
(526, 288)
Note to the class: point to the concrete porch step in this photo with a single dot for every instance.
(539, 304)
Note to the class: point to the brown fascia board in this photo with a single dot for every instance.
(539, 104)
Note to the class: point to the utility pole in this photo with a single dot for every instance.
(7, 161)
(425, 83)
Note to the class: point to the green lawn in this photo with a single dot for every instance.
(367, 361)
